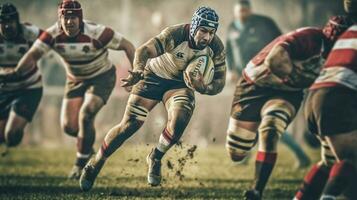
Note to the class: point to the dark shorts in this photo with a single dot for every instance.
(23, 102)
(331, 111)
(154, 87)
(249, 99)
(101, 85)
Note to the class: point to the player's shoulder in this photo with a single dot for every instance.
(93, 29)
(216, 45)
(30, 31)
(176, 30)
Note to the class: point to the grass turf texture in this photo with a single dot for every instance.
(36, 173)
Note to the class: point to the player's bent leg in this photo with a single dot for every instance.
(316, 178)
(276, 115)
(240, 141)
(344, 171)
(86, 135)
(14, 129)
(135, 114)
(69, 115)
(2, 130)
(180, 104)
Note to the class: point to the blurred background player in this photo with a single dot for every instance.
(330, 110)
(247, 34)
(21, 95)
(90, 74)
(161, 79)
(270, 92)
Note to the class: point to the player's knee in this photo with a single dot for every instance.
(14, 137)
(182, 103)
(70, 128)
(275, 119)
(87, 115)
(135, 114)
(327, 157)
(239, 141)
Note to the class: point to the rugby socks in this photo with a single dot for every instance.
(264, 165)
(314, 182)
(341, 175)
(84, 150)
(166, 141)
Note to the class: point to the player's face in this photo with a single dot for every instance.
(8, 29)
(204, 36)
(70, 25)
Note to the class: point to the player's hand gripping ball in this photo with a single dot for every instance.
(199, 73)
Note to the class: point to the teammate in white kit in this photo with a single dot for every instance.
(21, 95)
(161, 79)
(90, 74)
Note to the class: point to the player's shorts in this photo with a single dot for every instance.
(154, 87)
(249, 100)
(23, 102)
(101, 86)
(331, 111)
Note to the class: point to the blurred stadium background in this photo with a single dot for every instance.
(139, 20)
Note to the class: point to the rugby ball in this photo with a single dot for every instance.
(204, 65)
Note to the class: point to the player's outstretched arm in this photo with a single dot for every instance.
(142, 55)
(128, 48)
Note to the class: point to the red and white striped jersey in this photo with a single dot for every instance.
(341, 65)
(11, 51)
(85, 55)
(304, 49)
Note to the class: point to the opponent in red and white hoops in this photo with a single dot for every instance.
(161, 79)
(90, 74)
(270, 92)
(21, 95)
(331, 113)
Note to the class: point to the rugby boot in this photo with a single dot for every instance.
(89, 174)
(252, 195)
(154, 170)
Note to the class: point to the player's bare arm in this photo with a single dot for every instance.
(142, 54)
(128, 48)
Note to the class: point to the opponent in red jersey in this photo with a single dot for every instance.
(269, 94)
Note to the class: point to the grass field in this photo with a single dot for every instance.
(35, 173)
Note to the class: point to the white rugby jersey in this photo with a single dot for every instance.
(11, 51)
(341, 65)
(176, 51)
(86, 55)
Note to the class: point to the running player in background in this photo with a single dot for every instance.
(270, 92)
(90, 74)
(21, 95)
(161, 79)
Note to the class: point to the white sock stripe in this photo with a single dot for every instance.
(80, 155)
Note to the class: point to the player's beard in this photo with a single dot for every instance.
(202, 44)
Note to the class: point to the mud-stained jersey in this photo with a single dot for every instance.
(86, 55)
(304, 47)
(11, 51)
(176, 51)
(341, 65)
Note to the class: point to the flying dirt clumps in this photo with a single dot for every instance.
(183, 160)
